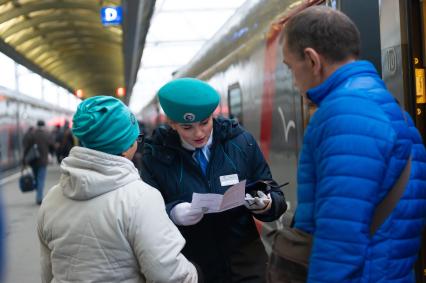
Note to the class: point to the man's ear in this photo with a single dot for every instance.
(314, 59)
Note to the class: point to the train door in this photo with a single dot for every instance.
(416, 95)
(394, 40)
(417, 48)
(403, 35)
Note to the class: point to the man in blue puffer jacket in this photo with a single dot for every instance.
(355, 148)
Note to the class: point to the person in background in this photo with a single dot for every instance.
(101, 223)
(137, 159)
(3, 240)
(202, 154)
(355, 147)
(55, 133)
(27, 137)
(39, 139)
(64, 142)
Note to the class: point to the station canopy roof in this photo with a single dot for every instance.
(178, 29)
(65, 41)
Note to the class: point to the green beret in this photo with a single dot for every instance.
(105, 124)
(188, 100)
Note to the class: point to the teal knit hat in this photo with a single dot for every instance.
(188, 100)
(105, 124)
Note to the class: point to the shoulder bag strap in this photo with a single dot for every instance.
(385, 207)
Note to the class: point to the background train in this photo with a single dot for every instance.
(243, 61)
(17, 113)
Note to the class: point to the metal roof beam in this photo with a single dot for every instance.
(137, 17)
(47, 5)
(64, 41)
(63, 60)
(47, 48)
(35, 21)
(46, 32)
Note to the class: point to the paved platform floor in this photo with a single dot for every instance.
(22, 261)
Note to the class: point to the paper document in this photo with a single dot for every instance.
(211, 203)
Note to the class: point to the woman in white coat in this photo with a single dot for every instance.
(101, 223)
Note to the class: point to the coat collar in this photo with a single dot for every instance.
(350, 70)
(165, 143)
(223, 129)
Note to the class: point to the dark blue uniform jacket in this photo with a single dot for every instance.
(225, 245)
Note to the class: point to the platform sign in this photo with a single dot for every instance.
(111, 15)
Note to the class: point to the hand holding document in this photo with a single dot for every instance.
(211, 203)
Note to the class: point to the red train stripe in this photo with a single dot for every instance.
(268, 89)
(269, 75)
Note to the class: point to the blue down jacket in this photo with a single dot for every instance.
(225, 245)
(355, 147)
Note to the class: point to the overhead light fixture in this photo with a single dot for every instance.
(79, 93)
(120, 91)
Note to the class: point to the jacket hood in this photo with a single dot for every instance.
(223, 129)
(88, 173)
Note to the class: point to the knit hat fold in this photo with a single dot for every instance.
(105, 124)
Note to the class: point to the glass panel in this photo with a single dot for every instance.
(7, 78)
(29, 83)
(235, 103)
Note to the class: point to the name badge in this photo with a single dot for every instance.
(228, 180)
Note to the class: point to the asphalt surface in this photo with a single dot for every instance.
(22, 260)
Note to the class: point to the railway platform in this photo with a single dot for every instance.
(22, 257)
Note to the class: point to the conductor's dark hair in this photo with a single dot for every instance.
(329, 32)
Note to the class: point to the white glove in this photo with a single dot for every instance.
(183, 214)
(258, 204)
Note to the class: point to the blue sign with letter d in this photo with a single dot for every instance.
(111, 15)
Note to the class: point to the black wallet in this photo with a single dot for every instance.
(263, 185)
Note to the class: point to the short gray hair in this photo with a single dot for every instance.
(331, 33)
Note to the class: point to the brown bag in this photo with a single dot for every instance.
(288, 262)
(291, 247)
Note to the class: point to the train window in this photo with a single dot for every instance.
(235, 103)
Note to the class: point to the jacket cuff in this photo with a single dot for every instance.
(170, 205)
(278, 207)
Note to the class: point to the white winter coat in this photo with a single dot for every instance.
(101, 223)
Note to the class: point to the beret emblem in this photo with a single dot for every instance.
(189, 117)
